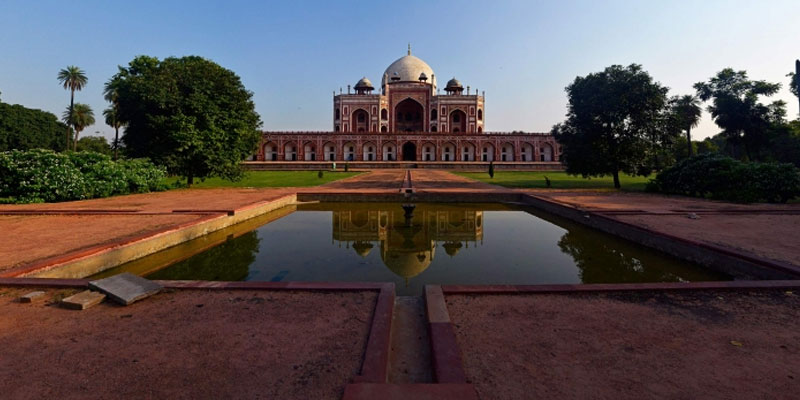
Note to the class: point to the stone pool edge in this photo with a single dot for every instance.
(96, 259)
(87, 262)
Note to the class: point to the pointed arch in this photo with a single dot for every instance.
(448, 151)
(369, 151)
(487, 152)
(467, 151)
(329, 151)
(507, 152)
(389, 151)
(349, 151)
(270, 151)
(409, 115)
(526, 152)
(359, 120)
(428, 151)
(309, 151)
(290, 151)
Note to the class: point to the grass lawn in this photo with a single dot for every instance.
(267, 179)
(558, 179)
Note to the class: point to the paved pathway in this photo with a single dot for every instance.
(765, 230)
(310, 344)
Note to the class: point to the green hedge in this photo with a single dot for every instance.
(719, 177)
(45, 176)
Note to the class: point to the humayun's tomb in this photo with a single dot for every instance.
(410, 121)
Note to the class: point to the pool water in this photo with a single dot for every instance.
(414, 245)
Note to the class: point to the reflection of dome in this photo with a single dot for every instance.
(408, 263)
(452, 248)
(408, 69)
(362, 248)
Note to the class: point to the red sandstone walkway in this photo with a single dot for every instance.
(765, 230)
(695, 345)
(187, 344)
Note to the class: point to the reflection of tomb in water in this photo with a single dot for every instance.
(406, 248)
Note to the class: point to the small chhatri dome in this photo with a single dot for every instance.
(453, 84)
(364, 83)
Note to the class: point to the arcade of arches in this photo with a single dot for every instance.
(286, 146)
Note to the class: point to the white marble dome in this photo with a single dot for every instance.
(408, 68)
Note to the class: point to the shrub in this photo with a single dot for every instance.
(491, 169)
(719, 177)
(320, 174)
(45, 176)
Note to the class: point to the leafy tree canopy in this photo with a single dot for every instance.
(188, 114)
(97, 144)
(25, 128)
(79, 116)
(616, 121)
(685, 114)
(736, 108)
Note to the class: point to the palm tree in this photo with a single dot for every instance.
(112, 121)
(111, 94)
(73, 78)
(79, 116)
(688, 112)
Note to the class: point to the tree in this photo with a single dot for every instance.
(188, 114)
(616, 118)
(24, 128)
(79, 116)
(73, 78)
(794, 82)
(736, 109)
(97, 144)
(687, 112)
(110, 115)
(110, 93)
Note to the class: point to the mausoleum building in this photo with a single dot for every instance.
(408, 118)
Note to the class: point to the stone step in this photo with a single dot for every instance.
(83, 300)
(410, 356)
(419, 391)
(32, 296)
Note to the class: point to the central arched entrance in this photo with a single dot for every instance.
(409, 151)
(408, 116)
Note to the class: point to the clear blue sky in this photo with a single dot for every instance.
(294, 54)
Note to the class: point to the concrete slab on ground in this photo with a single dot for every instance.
(31, 297)
(126, 288)
(83, 300)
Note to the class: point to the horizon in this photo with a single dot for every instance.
(293, 57)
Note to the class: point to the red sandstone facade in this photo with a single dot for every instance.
(408, 120)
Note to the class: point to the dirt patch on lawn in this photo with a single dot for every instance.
(185, 344)
(631, 346)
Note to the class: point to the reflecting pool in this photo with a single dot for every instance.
(413, 245)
